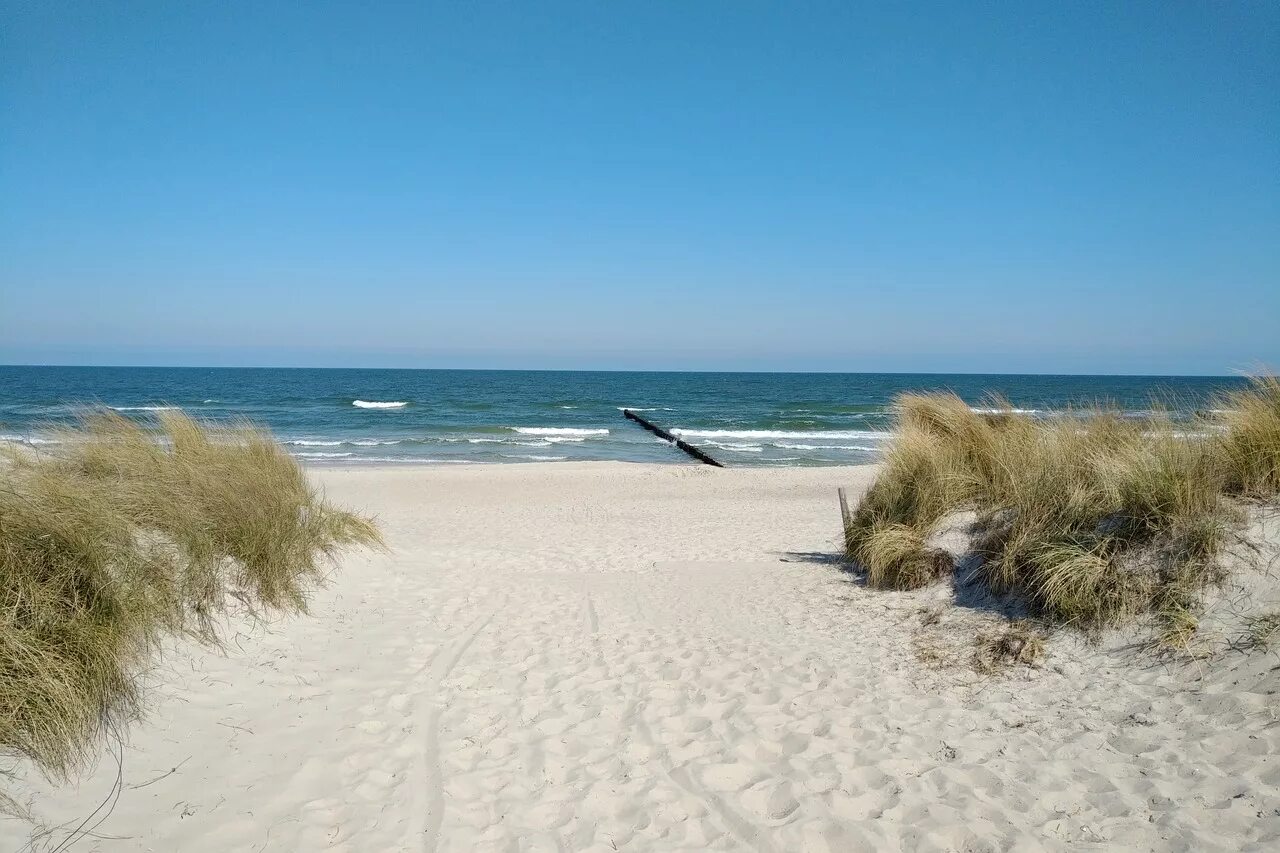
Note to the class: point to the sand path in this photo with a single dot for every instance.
(620, 657)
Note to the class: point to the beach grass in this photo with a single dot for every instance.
(129, 535)
(1093, 518)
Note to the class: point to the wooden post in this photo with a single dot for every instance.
(680, 443)
(844, 515)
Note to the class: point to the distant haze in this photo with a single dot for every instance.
(1010, 187)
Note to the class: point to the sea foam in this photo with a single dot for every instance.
(863, 447)
(560, 431)
(779, 434)
(379, 404)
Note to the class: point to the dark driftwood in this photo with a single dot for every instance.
(678, 442)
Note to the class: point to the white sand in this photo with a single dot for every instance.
(627, 657)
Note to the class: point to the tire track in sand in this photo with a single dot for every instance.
(589, 611)
(739, 827)
(441, 665)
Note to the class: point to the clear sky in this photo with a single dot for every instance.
(1007, 187)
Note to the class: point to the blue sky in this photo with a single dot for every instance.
(1005, 187)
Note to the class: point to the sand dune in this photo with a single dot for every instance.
(605, 657)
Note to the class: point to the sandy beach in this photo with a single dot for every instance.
(610, 656)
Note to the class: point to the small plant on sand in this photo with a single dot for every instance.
(126, 537)
(1017, 643)
(1094, 518)
(1263, 631)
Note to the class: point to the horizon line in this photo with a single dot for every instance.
(1237, 375)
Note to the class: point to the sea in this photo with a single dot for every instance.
(472, 417)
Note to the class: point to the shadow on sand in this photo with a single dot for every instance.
(968, 590)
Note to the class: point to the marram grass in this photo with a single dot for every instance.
(125, 537)
(1093, 518)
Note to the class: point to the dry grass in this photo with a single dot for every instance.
(1018, 643)
(122, 540)
(1263, 631)
(1094, 518)
(1251, 444)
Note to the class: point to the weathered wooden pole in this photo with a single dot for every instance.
(678, 442)
(844, 515)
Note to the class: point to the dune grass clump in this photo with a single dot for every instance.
(1251, 444)
(129, 536)
(1094, 518)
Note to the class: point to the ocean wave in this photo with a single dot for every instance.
(769, 434)
(735, 448)
(411, 460)
(566, 407)
(357, 459)
(143, 408)
(27, 439)
(979, 410)
(534, 457)
(379, 404)
(559, 431)
(785, 446)
(360, 442)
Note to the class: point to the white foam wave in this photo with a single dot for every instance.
(27, 439)
(370, 442)
(560, 431)
(735, 448)
(411, 460)
(143, 408)
(307, 442)
(379, 404)
(785, 446)
(567, 407)
(317, 455)
(534, 457)
(769, 434)
(981, 411)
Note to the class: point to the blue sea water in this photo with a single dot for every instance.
(467, 417)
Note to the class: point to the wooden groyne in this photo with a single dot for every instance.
(678, 442)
